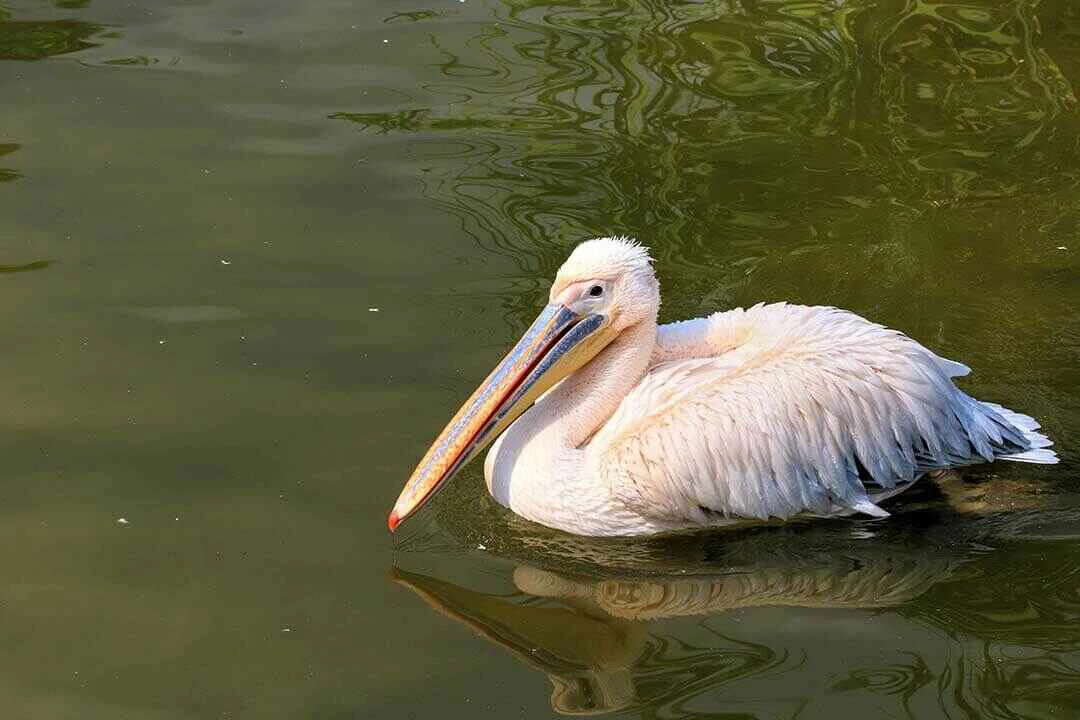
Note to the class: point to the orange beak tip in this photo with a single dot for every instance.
(393, 521)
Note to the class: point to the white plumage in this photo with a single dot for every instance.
(770, 412)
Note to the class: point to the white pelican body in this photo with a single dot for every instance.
(772, 412)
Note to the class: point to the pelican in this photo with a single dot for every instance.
(606, 423)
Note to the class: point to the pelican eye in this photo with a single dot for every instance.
(596, 291)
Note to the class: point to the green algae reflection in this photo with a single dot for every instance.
(36, 40)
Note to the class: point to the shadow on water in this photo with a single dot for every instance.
(691, 624)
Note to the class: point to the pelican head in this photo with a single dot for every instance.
(606, 286)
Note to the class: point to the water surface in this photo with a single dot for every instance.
(252, 257)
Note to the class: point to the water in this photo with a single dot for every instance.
(252, 257)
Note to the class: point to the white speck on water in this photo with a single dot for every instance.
(121, 521)
(386, 42)
(162, 341)
(1062, 247)
(373, 309)
(286, 629)
(226, 262)
(481, 546)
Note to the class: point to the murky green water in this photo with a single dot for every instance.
(252, 255)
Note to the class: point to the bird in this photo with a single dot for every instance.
(606, 423)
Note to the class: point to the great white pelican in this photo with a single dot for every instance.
(609, 424)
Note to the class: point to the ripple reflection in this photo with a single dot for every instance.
(932, 613)
(684, 123)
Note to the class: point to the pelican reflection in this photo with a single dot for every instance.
(598, 639)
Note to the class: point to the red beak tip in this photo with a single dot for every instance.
(393, 521)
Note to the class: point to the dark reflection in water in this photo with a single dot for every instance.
(39, 39)
(7, 174)
(905, 597)
(25, 267)
(686, 122)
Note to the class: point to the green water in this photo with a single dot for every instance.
(253, 255)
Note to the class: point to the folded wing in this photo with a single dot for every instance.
(782, 410)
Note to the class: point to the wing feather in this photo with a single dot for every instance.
(780, 410)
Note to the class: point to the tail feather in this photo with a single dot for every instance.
(953, 368)
(1041, 456)
(1038, 443)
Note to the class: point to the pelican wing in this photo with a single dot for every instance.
(781, 410)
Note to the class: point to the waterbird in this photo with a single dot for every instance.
(606, 423)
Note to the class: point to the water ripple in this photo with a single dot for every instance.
(684, 123)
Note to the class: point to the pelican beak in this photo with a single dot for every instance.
(557, 343)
